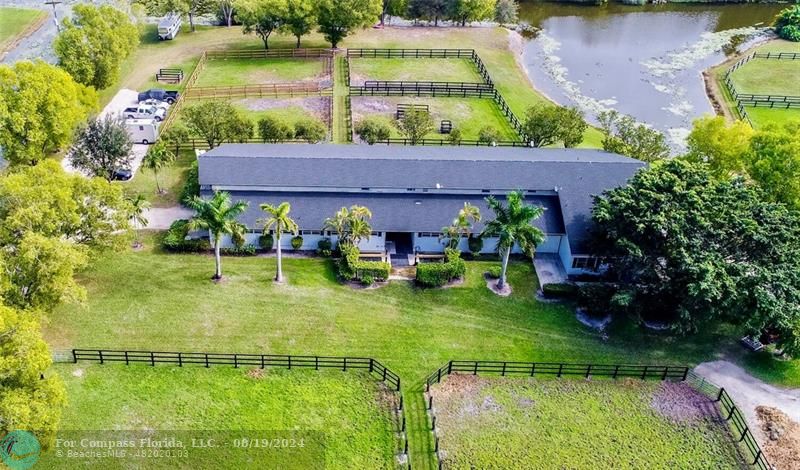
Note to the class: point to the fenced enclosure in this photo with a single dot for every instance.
(263, 361)
(728, 411)
(434, 89)
(266, 90)
(774, 101)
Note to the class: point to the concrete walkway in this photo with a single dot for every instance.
(549, 269)
(160, 218)
(749, 392)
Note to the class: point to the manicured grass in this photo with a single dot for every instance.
(577, 424)
(468, 114)
(768, 77)
(234, 72)
(441, 70)
(764, 116)
(155, 301)
(171, 179)
(14, 21)
(344, 417)
(187, 66)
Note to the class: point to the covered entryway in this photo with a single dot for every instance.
(400, 248)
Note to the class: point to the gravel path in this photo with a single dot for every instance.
(749, 392)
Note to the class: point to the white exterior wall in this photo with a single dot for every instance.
(428, 244)
(375, 243)
(433, 244)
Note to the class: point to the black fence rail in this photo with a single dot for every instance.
(425, 84)
(261, 361)
(446, 142)
(269, 53)
(731, 413)
(558, 369)
(759, 100)
(348, 117)
(411, 53)
(777, 55)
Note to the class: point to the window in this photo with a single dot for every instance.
(310, 232)
(410, 189)
(428, 234)
(377, 234)
(589, 263)
(484, 190)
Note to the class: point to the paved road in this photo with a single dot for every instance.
(749, 392)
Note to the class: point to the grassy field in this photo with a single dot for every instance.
(468, 114)
(235, 72)
(13, 22)
(171, 179)
(760, 76)
(442, 70)
(578, 424)
(345, 419)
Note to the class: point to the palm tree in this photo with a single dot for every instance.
(512, 225)
(338, 223)
(279, 220)
(461, 225)
(138, 206)
(358, 230)
(158, 156)
(350, 225)
(219, 216)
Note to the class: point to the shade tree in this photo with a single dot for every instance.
(102, 147)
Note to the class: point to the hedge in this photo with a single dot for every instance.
(439, 274)
(266, 241)
(353, 268)
(560, 290)
(175, 239)
(244, 250)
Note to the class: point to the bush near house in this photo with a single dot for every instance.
(494, 272)
(561, 290)
(297, 242)
(325, 247)
(244, 250)
(266, 241)
(352, 268)
(175, 239)
(439, 274)
(596, 298)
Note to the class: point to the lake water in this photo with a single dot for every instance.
(645, 61)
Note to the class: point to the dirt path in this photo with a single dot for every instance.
(749, 392)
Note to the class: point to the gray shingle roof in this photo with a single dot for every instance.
(390, 212)
(576, 175)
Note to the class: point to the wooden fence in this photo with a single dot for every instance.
(411, 53)
(266, 90)
(462, 143)
(269, 53)
(759, 100)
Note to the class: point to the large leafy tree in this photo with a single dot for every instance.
(94, 42)
(623, 135)
(262, 17)
(429, 9)
(189, 8)
(773, 161)
(217, 122)
(462, 11)
(102, 147)
(690, 248)
(548, 125)
(416, 124)
(512, 225)
(30, 397)
(721, 146)
(278, 220)
(787, 23)
(40, 108)
(219, 216)
(338, 18)
(300, 18)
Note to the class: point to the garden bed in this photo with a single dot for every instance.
(572, 423)
(344, 418)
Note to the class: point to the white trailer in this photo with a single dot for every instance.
(142, 131)
(169, 26)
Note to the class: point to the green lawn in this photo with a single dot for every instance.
(344, 418)
(577, 424)
(187, 66)
(171, 179)
(14, 21)
(154, 301)
(441, 70)
(768, 77)
(468, 114)
(234, 72)
(764, 116)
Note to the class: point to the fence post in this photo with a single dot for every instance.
(746, 430)
(74, 357)
(235, 361)
(152, 359)
(644, 373)
(560, 368)
(588, 371)
(180, 359)
(370, 367)
(289, 360)
(439, 375)
(206, 354)
(475, 368)
(533, 368)
(430, 402)
(126, 358)
(400, 407)
(719, 395)
(262, 361)
(100, 352)
(503, 373)
(685, 373)
(758, 456)
(433, 423)
(345, 364)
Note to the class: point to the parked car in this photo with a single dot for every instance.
(122, 174)
(169, 26)
(144, 112)
(142, 131)
(160, 95)
(158, 104)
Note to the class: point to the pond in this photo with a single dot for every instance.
(646, 61)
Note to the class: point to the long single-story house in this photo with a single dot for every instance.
(415, 191)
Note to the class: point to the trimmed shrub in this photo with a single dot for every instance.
(266, 241)
(439, 274)
(488, 135)
(367, 280)
(310, 130)
(352, 268)
(191, 187)
(475, 244)
(561, 290)
(297, 242)
(273, 129)
(494, 271)
(325, 247)
(372, 130)
(175, 239)
(244, 250)
(595, 298)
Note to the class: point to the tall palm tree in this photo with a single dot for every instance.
(138, 206)
(280, 221)
(461, 225)
(157, 157)
(512, 225)
(338, 223)
(219, 216)
(350, 225)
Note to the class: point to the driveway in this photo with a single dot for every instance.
(749, 392)
(123, 99)
(160, 218)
